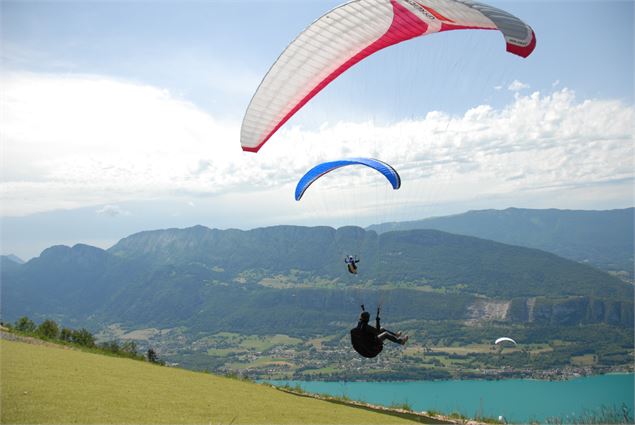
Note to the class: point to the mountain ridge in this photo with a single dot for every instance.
(269, 278)
(603, 238)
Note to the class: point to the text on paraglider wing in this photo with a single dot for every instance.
(421, 9)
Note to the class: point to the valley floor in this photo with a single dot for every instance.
(572, 353)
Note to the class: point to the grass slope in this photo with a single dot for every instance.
(44, 384)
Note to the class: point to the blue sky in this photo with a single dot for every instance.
(195, 48)
(123, 116)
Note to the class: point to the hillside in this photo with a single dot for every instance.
(601, 238)
(10, 263)
(278, 301)
(12, 258)
(416, 257)
(41, 384)
(266, 279)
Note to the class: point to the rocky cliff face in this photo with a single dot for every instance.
(483, 310)
(569, 311)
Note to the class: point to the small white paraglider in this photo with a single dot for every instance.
(504, 338)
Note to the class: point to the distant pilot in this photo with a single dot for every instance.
(351, 263)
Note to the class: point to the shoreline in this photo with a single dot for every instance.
(544, 376)
(454, 398)
(423, 416)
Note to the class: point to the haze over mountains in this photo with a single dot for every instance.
(601, 238)
(293, 278)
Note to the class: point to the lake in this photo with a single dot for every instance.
(518, 400)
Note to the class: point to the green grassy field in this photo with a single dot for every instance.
(41, 384)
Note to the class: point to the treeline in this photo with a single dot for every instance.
(49, 330)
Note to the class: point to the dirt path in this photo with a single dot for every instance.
(421, 417)
(4, 334)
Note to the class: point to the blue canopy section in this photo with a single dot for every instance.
(319, 170)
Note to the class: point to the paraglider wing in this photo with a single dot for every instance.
(499, 340)
(351, 32)
(321, 169)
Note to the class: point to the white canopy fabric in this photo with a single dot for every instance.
(351, 32)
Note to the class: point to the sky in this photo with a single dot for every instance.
(123, 116)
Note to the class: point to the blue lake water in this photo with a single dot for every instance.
(518, 400)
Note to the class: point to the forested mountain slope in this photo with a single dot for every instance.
(266, 279)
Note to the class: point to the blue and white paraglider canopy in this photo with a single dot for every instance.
(326, 167)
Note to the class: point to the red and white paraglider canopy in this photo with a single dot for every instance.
(348, 34)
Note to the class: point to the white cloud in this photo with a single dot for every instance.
(517, 86)
(112, 211)
(78, 141)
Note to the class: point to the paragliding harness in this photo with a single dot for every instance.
(364, 338)
(351, 263)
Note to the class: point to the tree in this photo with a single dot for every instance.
(24, 324)
(83, 337)
(66, 334)
(152, 356)
(48, 329)
(129, 347)
(112, 346)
